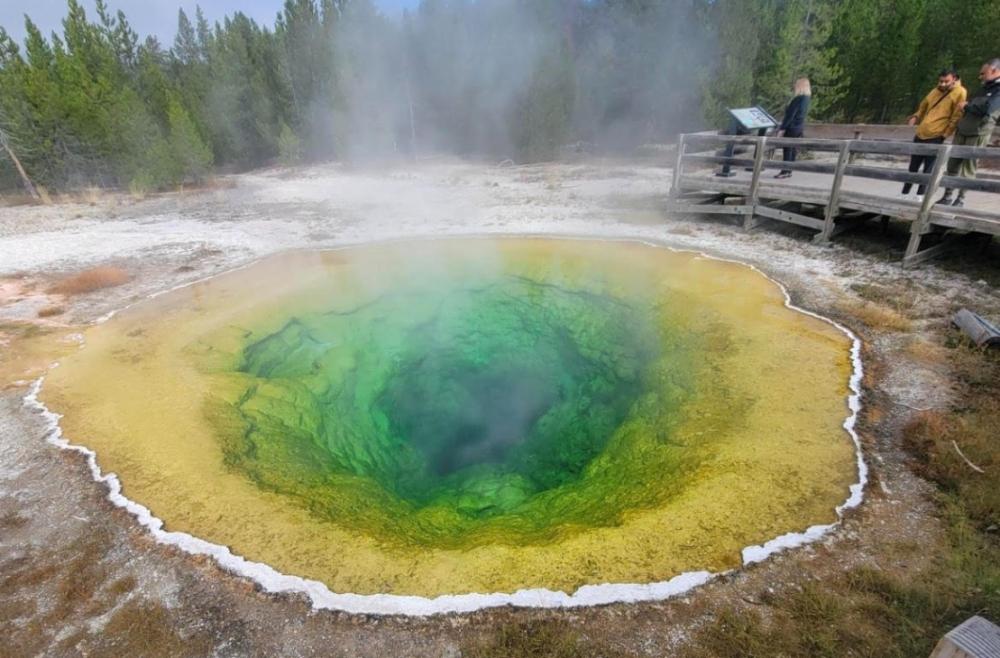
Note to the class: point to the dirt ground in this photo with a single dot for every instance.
(79, 577)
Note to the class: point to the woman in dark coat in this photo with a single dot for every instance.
(794, 122)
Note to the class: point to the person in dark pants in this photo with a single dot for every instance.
(936, 120)
(793, 124)
(980, 116)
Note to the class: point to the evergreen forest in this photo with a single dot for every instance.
(99, 104)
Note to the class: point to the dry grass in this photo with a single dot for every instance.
(22, 573)
(79, 584)
(145, 629)
(96, 278)
(926, 352)
(207, 185)
(932, 438)
(899, 298)
(11, 199)
(92, 196)
(12, 521)
(122, 586)
(18, 608)
(865, 612)
(50, 311)
(875, 316)
(75, 585)
(553, 638)
(84, 574)
(87, 196)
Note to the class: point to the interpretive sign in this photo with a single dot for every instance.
(753, 118)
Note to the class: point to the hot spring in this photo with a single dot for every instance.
(459, 416)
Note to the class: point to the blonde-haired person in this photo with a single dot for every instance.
(793, 123)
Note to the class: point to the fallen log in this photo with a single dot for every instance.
(28, 185)
(980, 330)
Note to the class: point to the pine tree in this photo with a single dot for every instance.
(542, 123)
(796, 45)
(120, 35)
(151, 80)
(16, 135)
(186, 49)
(737, 25)
(204, 32)
(191, 157)
(190, 72)
(289, 146)
(877, 41)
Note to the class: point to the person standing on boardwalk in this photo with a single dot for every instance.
(936, 120)
(793, 124)
(980, 117)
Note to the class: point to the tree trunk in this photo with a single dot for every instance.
(28, 185)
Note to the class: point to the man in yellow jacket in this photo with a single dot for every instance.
(936, 120)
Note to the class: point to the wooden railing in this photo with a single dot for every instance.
(702, 149)
(870, 131)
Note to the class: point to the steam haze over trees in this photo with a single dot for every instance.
(100, 104)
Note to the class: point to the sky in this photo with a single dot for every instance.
(157, 17)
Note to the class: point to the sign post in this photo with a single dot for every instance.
(745, 121)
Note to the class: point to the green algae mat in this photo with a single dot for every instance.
(459, 416)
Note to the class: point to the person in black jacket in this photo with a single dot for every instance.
(794, 122)
(980, 116)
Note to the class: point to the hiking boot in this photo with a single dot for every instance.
(944, 201)
(959, 203)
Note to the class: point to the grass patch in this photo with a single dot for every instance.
(935, 439)
(875, 316)
(83, 576)
(926, 352)
(22, 573)
(147, 629)
(865, 612)
(96, 278)
(50, 311)
(13, 521)
(549, 639)
(122, 586)
(18, 199)
(899, 299)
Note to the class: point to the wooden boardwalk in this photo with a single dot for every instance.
(848, 182)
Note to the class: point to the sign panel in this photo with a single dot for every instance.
(753, 118)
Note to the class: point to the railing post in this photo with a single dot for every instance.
(920, 224)
(858, 134)
(833, 203)
(754, 195)
(678, 167)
